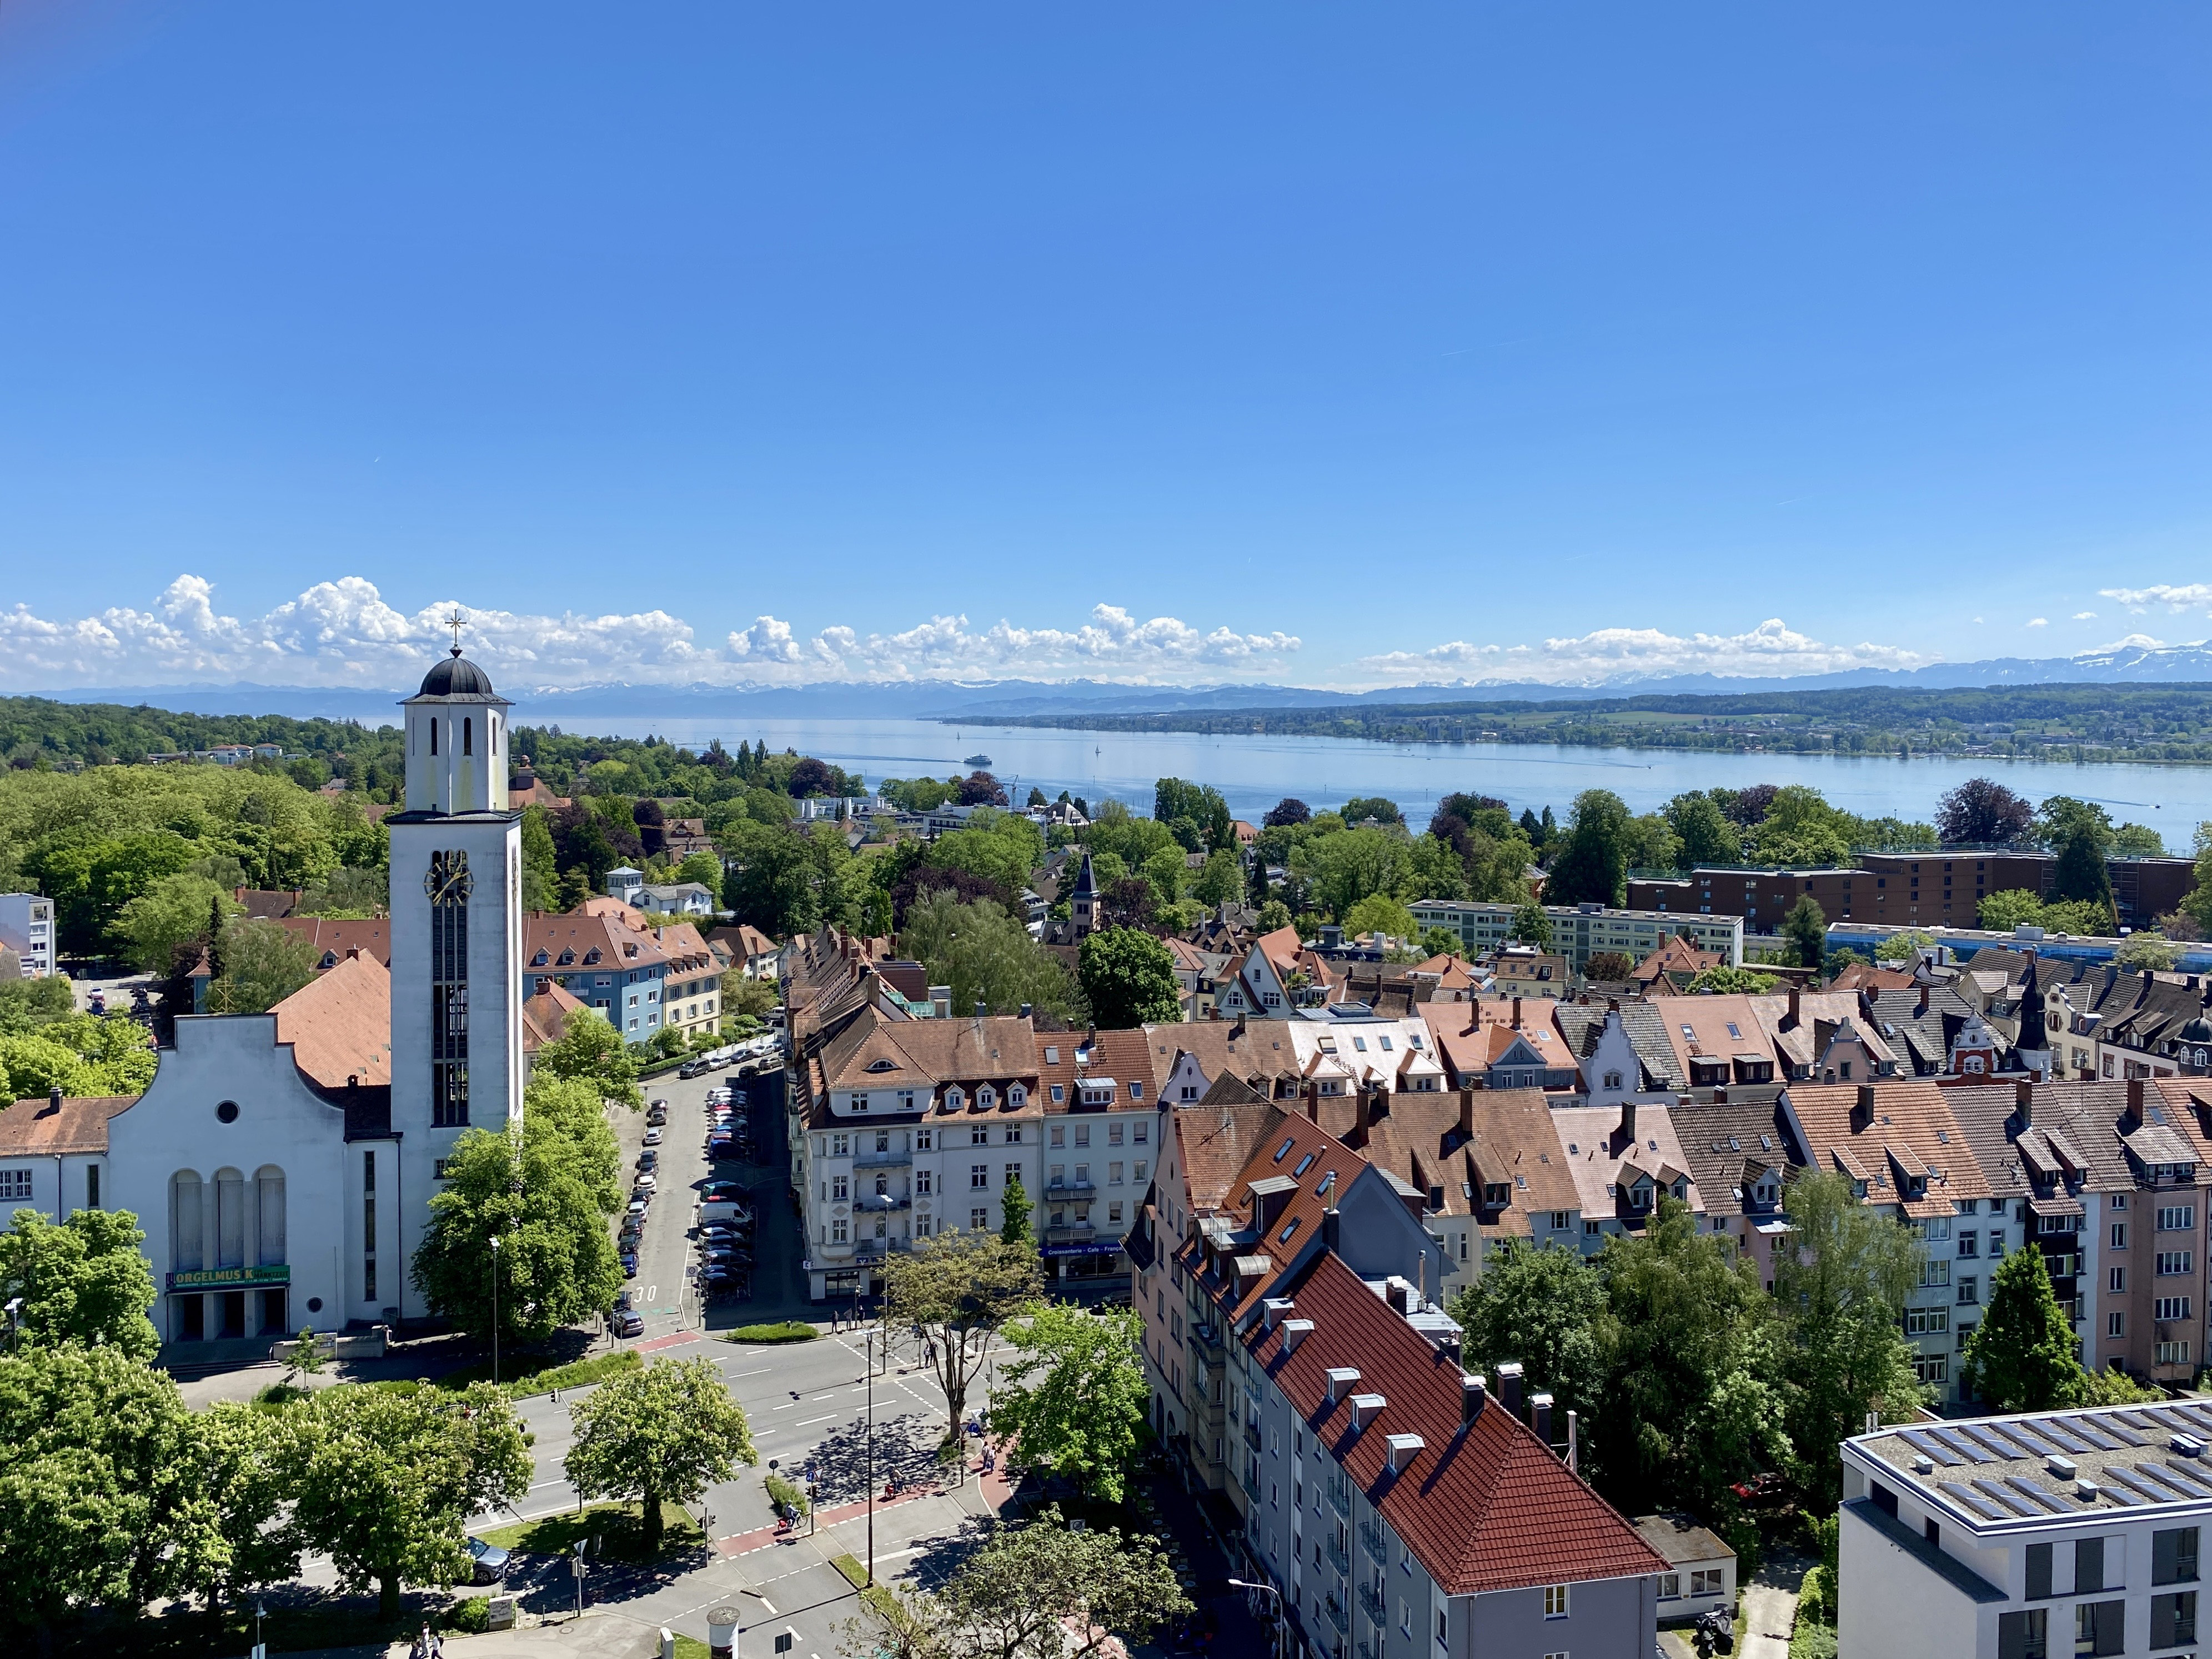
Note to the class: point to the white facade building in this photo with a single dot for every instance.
(27, 927)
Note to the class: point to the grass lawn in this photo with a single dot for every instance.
(620, 1526)
(575, 1374)
(876, 1596)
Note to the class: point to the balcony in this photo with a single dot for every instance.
(881, 1160)
(1370, 1540)
(1370, 1603)
(1082, 1187)
(1337, 1615)
(1252, 1436)
(1337, 1557)
(1339, 1499)
(1206, 1336)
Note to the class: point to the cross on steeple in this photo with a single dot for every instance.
(454, 623)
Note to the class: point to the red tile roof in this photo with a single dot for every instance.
(1486, 1507)
(339, 1024)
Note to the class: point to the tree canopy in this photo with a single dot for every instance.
(660, 1435)
(1073, 1397)
(960, 1289)
(1128, 978)
(81, 1281)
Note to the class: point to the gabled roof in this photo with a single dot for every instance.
(546, 1016)
(1645, 1024)
(331, 940)
(1214, 1143)
(1732, 1141)
(1485, 1508)
(1468, 1140)
(1909, 1115)
(1600, 1154)
(38, 1128)
(339, 1024)
(1125, 1056)
(1297, 1175)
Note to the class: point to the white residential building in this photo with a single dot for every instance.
(27, 927)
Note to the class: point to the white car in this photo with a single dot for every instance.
(653, 1136)
(644, 1183)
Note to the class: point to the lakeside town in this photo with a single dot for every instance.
(1631, 1228)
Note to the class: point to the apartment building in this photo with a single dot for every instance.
(601, 961)
(1580, 931)
(1403, 1508)
(910, 1128)
(2026, 1537)
(1103, 1123)
(1907, 889)
(27, 927)
(691, 981)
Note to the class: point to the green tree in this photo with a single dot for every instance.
(384, 1484)
(1128, 978)
(1338, 868)
(1692, 1361)
(346, 894)
(1165, 870)
(2147, 951)
(556, 1264)
(262, 964)
(1202, 804)
(2023, 1356)
(1724, 981)
(1378, 913)
(1546, 1309)
(1806, 928)
(235, 1469)
(1706, 834)
(567, 1118)
(1222, 880)
(1800, 827)
(959, 1289)
(100, 1501)
(2139, 840)
(171, 913)
(2002, 912)
(2198, 904)
(81, 1281)
(1532, 926)
(1036, 1589)
(1593, 863)
(661, 1434)
(589, 1049)
(1073, 1398)
(1440, 942)
(1901, 947)
(1607, 967)
(541, 867)
(1274, 915)
(1650, 843)
(985, 955)
(2079, 834)
(1382, 810)
(1842, 1291)
(771, 882)
(1014, 1210)
(1004, 848)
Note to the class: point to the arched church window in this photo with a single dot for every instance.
(468, 736)
(229, 1219)
(186, 1220)
(269, 1179)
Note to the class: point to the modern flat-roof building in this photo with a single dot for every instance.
(2026, 1537)
(1580, 931)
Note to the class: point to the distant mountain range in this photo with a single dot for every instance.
(1017, 698)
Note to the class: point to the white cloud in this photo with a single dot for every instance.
(2085, 615)
(2039, 621)
(2134, 642)
(1772, 649)
(344, 632)
(2165, 593)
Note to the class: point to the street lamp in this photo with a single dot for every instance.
(871, 1358)
(1272, 1595)
(494, 1311)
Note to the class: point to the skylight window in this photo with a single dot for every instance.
(1690, 1034)
(1282, 1151)
(1360, 1043)
(1328, 1182)
(1283, 1237)
(1385, 1042)
(1733, 1032)
(1305, 1164)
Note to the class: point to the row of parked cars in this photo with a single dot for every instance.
(745, 1055)
(729, 1126)
(643, 1187)
(727, 1220)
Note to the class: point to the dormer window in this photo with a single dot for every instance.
(986, 1098)
(330, 959)
(953, 1098)
(566, 956)
(1017, 1096)
(1496, 1195)
(882, 1065)
(591, 956)
(539, 960)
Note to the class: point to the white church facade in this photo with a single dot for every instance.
(281, 1165)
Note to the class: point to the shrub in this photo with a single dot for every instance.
(789, 1330)
(471, 1615)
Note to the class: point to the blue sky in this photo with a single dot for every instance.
(1324, 344)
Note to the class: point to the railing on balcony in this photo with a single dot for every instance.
(1370, 1603)
(1340, 1497)
(1207, 1336)
(1370, 1540)
(1249, 1476)
(1337, 1557)
(1337, 1614)
(1064, 1184)
(881, 1160)
(1252, 1436)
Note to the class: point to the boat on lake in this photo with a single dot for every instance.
(976, 760)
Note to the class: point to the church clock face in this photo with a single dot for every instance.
(447, 881)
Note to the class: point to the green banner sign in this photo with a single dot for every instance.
(229, 1279)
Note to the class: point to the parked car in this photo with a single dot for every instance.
(645, 1182)
(690, 1068)
(625, 1301)
(629, 1324)
(656, 1114)
(639, 1203)
(629, 1264)
(653, 1136)
(488, 1562)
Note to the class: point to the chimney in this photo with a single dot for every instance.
(1332, 1228)
(1396, 1293)
(1239, 1032)
(1296, 1331)
(352, 952)
(981, 1008)
(2023, 1100)
(1516, 1013)
(940, 1000)
(1720, 1094)
(1628, 1120)
(1862, 1108)
(1471, 1395)
(1509, 1386)
(1793, 1005)
(1466, 1113)
(1028, 1009)
(1920, 1008)
(2131, 1119)
(1539, 1418)
(1313, 1102)
(1574, 1442)
(54, 1100)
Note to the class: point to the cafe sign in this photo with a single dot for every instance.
(226, 1278)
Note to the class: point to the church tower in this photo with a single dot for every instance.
(456, 943)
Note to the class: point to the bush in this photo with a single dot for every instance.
(791, 1499)
(471, 1615)
(278, 1396)
(789, 1330)
(1812, 1641)
(1816, 1597)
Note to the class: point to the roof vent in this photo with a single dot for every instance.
(1296, 1331)
(1339, 1379)
(2060, 1466)
(2185, 1445)
(2085, 1491)
(1509, 1385)
(1472, 1394)
(1402, 1449)
(1923, 1464)
(1365, 1408)
(1274, 1308)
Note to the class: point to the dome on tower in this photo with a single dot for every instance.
(2198, 1030)
(456, 676)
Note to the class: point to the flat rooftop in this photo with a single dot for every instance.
(2007, 1473)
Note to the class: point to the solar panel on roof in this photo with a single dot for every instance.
(2117, 1480)
(2120, 1431)
(2104, 1437)
(2166, 1421)
(2029, 1437)
(2029, 1489)
(2018, 1505)
(2188, 1475)
(1927, 1446)
(2064, 1435)
(1958, 1443)
(1982, 1435)
(2199, 1415)
(1974, 1501)
(2158, 1477)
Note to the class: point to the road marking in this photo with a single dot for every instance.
(804, 1421)
(542, 1484)
(767, 1604)
(763, 1371)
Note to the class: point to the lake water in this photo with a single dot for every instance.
(1254, 772)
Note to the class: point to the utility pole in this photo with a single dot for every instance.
(871, 1356)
